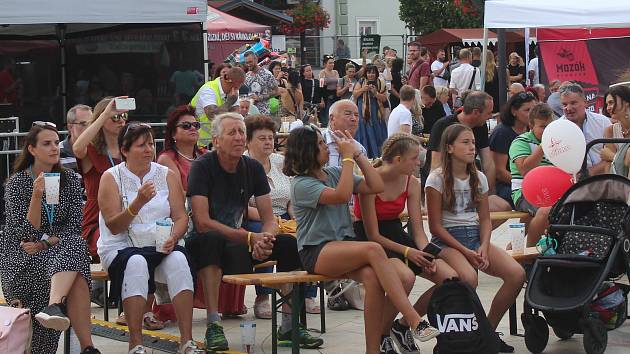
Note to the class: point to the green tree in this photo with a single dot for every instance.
(425, 16)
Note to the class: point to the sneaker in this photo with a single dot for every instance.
(504, 347)
(307, 341)
(54, 317)
(190, 347)
(90, 350)
(215, 338)
(387, 346)
(337, 303)
(402, 336)
(425, 332)
(138, 349)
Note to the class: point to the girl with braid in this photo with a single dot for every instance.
(379, 221)
(459, 220)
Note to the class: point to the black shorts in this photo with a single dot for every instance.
(393, 230)
(212, 248)
(310, 253)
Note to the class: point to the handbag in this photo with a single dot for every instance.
(15, 330)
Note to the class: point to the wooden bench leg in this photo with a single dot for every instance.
(513, 320)
(322, 306)
(274, 322)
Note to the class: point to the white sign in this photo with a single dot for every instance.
(278, 43)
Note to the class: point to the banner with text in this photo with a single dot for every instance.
(371, 42)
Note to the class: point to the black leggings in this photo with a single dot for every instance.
(393, 230)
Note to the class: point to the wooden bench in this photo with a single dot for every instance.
(494, 215)
(298, 279)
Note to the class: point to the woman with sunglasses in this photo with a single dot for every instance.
(43, 259)
(134, 196)
(514, 122)
(97, 150)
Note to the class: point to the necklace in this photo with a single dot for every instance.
(186, 157)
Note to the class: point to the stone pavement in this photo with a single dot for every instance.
(345, 329)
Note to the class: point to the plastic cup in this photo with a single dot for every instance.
(51, 185)
(517, 233)
(248, 336)
(351, 88)
(163, 230)
(284, 128)
(322, 82)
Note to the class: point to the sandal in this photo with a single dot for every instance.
(151, 323)
(121, 319)
(312, 306)
(190, 347)
(262, 309)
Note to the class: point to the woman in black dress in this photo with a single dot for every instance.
(44, 262)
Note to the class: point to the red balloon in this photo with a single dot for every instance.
(544, 185)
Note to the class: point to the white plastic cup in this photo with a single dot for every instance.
(351, 88)
(284, 128)
(322, 82)
(517, 233)
(51, 185)
(388, 85)
(163, 230)
(248, 336)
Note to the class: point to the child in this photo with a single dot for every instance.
(319, 196)
(459, 220)
(526, 153)
(379, 222)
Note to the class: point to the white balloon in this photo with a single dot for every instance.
(564, 145)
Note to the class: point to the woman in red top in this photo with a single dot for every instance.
(96, 150)
(379, 221)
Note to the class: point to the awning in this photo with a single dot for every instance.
(223, 27)
(468, 36)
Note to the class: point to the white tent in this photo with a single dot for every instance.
(55, 19)
(556, 13)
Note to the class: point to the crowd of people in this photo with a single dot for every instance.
(224, 189)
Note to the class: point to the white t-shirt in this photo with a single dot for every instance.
(399, 116)
(438, 81)
(464, 212)
(461, 77)
(207, 97)
(533, 66)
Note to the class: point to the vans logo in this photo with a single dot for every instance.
(457, 322)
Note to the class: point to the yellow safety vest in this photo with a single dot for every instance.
(205, 133)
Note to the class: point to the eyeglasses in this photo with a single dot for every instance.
(44, 124)
(134, 125)
(118, 117)
(83, 124)
(189, 125)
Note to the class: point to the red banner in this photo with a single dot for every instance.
(568, 61)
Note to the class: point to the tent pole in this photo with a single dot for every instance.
(484, 58)
(61, 34)
(204, 38)
(502, 66)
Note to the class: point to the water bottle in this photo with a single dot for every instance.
(248, 336)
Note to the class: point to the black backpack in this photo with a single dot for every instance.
(455, 310)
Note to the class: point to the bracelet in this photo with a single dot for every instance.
(406, 254)
(131, 212)
(249, 241)
(46, 243)
(347, 159)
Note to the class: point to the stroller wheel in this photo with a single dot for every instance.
(595, 336)
(561, 333)
(536, 333)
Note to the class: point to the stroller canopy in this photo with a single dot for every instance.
(608, 187)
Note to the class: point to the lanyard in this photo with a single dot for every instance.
(50, 210)
(109, 156)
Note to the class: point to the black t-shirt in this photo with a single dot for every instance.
(516, 70)
(228, 193)
(396, 84)
(481, 133)
(311, 91)
(500, 140)
(431, 115)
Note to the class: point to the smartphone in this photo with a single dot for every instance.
(128, 104)
(432, 249)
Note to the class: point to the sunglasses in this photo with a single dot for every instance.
(118, 117)
(133, 126)
(41, 123)
(525, 95)
(189, 125)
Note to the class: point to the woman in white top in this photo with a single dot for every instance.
(619, 111)
(132, 197)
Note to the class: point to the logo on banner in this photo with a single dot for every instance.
(568, 61)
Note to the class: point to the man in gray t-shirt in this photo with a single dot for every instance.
(320, 223)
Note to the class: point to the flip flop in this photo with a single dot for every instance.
(150, 322)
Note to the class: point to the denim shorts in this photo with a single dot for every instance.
(466, 235)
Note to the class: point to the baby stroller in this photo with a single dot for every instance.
(575, 289)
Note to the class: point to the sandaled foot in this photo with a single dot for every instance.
(151, 323)
(311, 306)
(121, 319)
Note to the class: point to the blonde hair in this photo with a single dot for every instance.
(396, 145)
(491, 66)
(99, 140)
(520, 59)
(416, 109)
(441, 90)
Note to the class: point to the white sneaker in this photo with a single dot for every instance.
(190, 347)
(138, 349)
